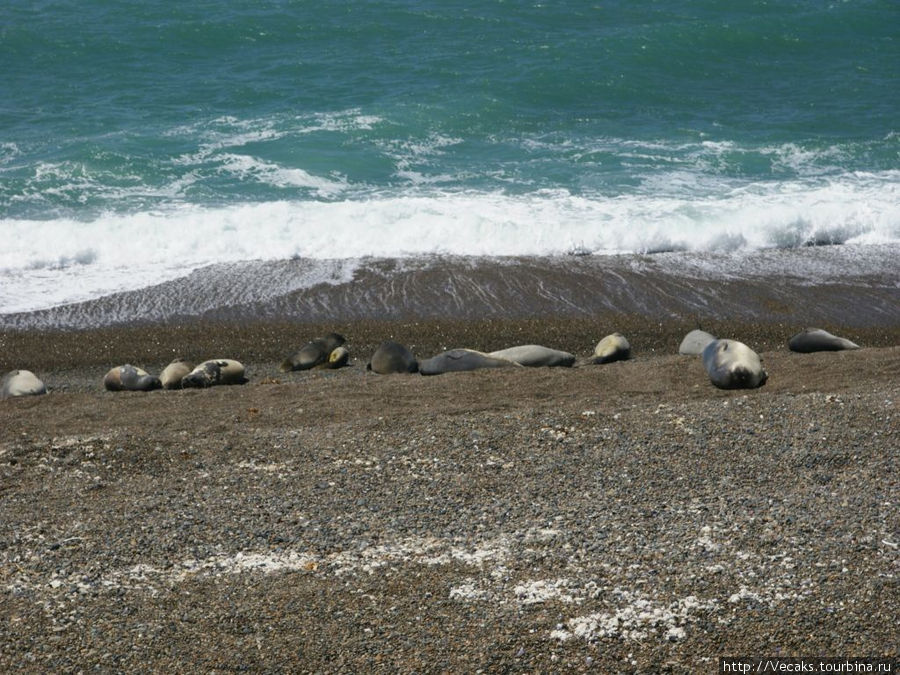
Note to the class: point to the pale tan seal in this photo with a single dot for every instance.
(130, 378)
(392, 357)
(733, 365)
(613, 347)
(818, 340)
(695, 342)
(314, 353)
(535, 356)
(21, 383)
(215, 372)
(338, 358)
(456, 360)
(173, 373)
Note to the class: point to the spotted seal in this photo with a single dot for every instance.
(818, 340)
(456, 360)
(314, 353)
(173, 373)
(214, 372)
(21, 383)
(613, 347)
(695, 342)
(392, 357)
(130, 378)
(535, 356)
(733, 365)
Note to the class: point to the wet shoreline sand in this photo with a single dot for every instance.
(620, 518)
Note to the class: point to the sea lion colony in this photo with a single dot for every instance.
(728, 363)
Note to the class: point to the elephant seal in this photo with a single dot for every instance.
(456, 360)
(733, 365)
(338, 358)
(21, 383)
(535, 356)
(130, 378)
(612, 348)
(695, 342)
(213, 372)
(173, 373)
(313, 353)
(392, 357)
(818, 340)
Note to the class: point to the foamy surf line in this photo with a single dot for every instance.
(844, 285)
(47, 263)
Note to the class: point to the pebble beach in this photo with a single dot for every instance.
(628, 517)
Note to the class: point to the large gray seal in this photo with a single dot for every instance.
(392, 357)
(695, 342)
(612, 348)
(21, 383)
(733, 365)
(535, 356)
(818, 340)
(456, 360)
(314, 353)
(130, 378)
(214, 372)
(173, 373)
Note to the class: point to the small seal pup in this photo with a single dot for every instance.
(213, 372)
(313, 353)
(695, 342)
(612, 348)
(130, 378)
(21, 383)
(535, 356)
(456, 360)
(392, 357)
(818, 340)
(733, 365)
(338, 358)
(173, 373)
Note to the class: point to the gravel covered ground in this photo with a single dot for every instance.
(619, 518)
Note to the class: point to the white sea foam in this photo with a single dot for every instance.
(48, 262)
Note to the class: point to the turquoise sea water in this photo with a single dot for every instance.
(141, 140)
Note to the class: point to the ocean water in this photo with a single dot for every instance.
(143, 143)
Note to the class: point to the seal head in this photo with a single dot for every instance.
(21, 383)
(733, 365)
(695, 342)
(612, 348)
(130, 378)
(392, 357)
(214, 372)
(818, 340)
(173, 373)
(314, 353)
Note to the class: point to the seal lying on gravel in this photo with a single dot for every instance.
(818, 340)
(314, 353)
(338, 358)
(130, 378)
(733, 365)
(457, 360)
(535, 356)
(695, 342)
(173, 373)
(392, 357)
(214, 372)
(612, 348)
(21, 383)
